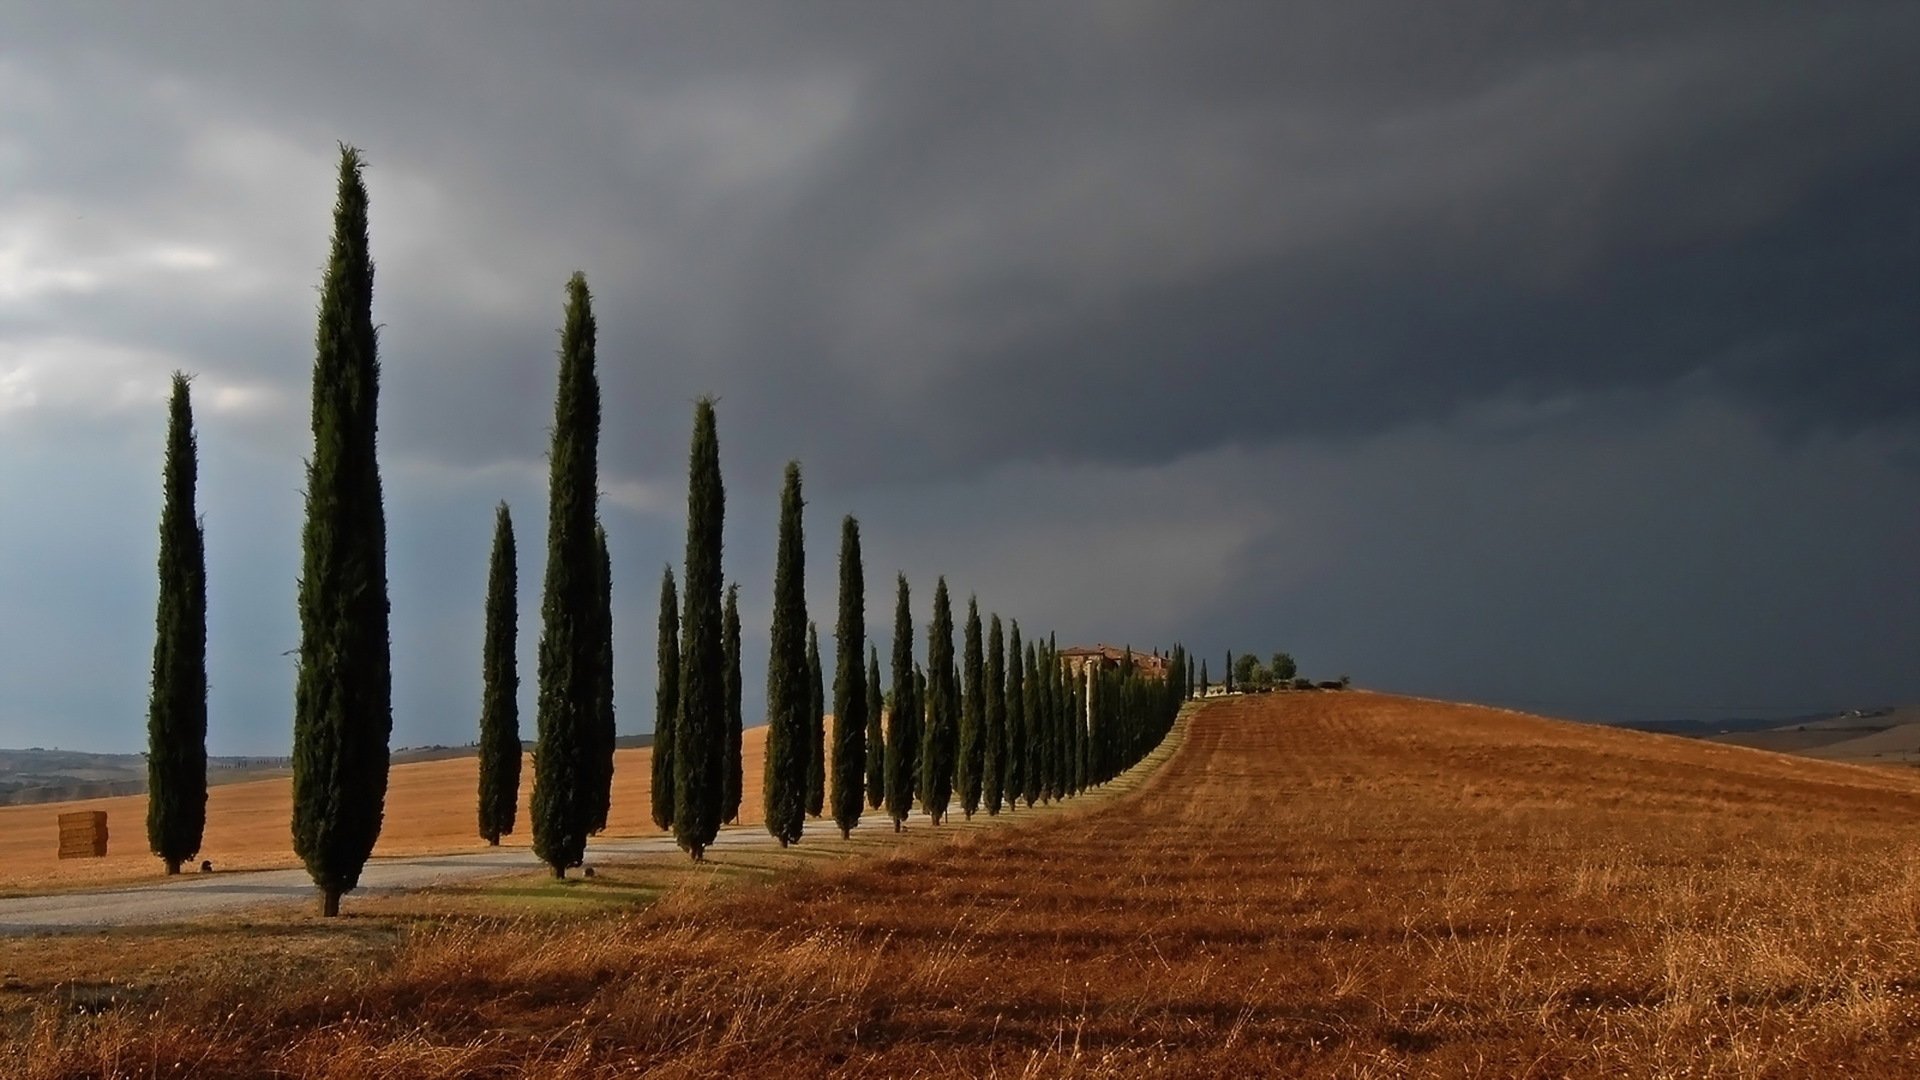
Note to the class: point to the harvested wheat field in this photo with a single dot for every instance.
(1314, 884)
(431, 809)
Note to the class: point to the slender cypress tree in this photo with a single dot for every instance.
(566, 769)
(993, 765)
(343, 702)
(939, 743)
(701, 735)
(816, 726)
(973, 714)
(500, 694)
(732, 775)
(876, 734)
(1015, 782)
(850, 715)
(1048, 727)
(902, 740)
(1205, 683)
(177, 707)
(1035, 727)
(666, 700)
(784, 783)
(1229, 674)
(604, 730)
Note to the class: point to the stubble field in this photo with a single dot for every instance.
(1314, 884)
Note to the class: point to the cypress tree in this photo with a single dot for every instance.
(500, 693)
(850, 715)
(732, 776)
(903, 740)
(343, 702)
(816, 726)
(177, 706)
(876, 734)
(1205, 683)
(604, 731)
(973, 715)
(1229, 674)
(1035, 727)
(939, 743)
(566, 769)
(993, 764)
(784, 783)
(701, 735)
(1048, 727)
(1015, 782)
(666, 700)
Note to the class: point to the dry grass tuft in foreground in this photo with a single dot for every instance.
(1335, 884)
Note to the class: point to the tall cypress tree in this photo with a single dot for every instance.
(1205, 683)
(816, 726)
(973, 714)
(500, 693)
(177, 706)
(732, 777)
(666, 700)
(993, 764)
(566, 768)
(1035, 727)
(850, 684)
(604, 731)
(939, 743)
(1015, 782)
(1047, 728)
(903, 740)
(1229, 675)
(343, 702)
(784, 783)
(876, 734)
(701, 735)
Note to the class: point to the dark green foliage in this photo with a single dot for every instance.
(993, 765)
(784, 783)
(1283, 669)
(973, 715)
(177, 707)
(666, 700)
(850, 714)
(343, 702)
(701, 736)
(500, 687)
(566, 769)
(604, 731)
(939, 742)
(1047, 730)
(876, 734)
(1229, 675)
(903, 737)
(731, 775)
(1035, 727)
(1205, 683)
(1076, 734)
(1014, 781)
(816, 726)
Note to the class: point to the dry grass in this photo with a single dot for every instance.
(430, 810)
(1329, 884)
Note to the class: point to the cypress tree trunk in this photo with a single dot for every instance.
(666, 701)
(177, 707)
(939, 742)
(816, 726)
(973, 715)
(993, 772)
(902, 739)
(784, 788)
(500, 693)
(850, 714)
(343, 701)
(731, 778)
(566, 773)
(701, 735)
(876, 735)
(1015, 783)
(604, 731)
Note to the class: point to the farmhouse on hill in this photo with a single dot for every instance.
(1103, 657)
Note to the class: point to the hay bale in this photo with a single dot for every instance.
(83, 834)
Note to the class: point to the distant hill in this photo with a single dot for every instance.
(37, 775)
(1862, 736)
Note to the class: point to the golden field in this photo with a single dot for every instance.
(431, 808)
(1327, 884)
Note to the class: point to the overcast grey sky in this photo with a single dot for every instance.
(1564, 355)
